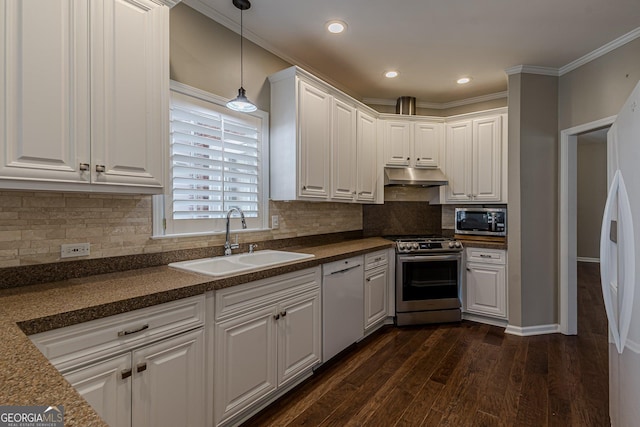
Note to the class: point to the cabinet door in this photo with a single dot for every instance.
(107, 388)
(130, 90)
(458, 155)
(314, 125)
(168, 382)
(426, 144)
(375, 296)
(44, 104)
(245, 362)
(397, 143)
(486, 289)
(367, 169)
(299, 337)
(343, 151)
(487, 157)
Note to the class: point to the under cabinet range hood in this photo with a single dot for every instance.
(414, 177)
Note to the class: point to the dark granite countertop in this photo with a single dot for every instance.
(27, 377)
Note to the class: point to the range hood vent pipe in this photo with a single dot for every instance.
(406, 105)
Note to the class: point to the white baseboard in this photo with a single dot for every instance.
(487, 320)
(528, 331)
(587, 259)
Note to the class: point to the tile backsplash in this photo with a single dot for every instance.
(33, 225)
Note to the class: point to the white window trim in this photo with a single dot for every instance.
(159, 201)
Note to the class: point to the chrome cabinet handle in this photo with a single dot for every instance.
(84, 167)
(141, 367)
(125, 374)
(485, 256)
(368, 279)
(468, 269)
(276, 316)
(100, 168)
(283, 313)
(133, 331)
(408, 158)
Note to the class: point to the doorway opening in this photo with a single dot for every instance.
(568, 222)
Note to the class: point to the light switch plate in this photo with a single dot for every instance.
(275, 221)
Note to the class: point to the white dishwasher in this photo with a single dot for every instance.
(342, 305)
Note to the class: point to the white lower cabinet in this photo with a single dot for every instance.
(267, 337)
(376, 289)
(486, 287)
(142, 368)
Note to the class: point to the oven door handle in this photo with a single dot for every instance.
(412, 258)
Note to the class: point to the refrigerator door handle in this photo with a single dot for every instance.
(626, 251)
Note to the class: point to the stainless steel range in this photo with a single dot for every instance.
(428, 278)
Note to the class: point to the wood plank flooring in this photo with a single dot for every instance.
(466, 374)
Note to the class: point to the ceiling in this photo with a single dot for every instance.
(430, 42)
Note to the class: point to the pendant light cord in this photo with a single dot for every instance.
(241, 50)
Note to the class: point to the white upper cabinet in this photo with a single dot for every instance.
(397, 142)
(412, 141)
(367, 164)
(343, 151)
(85, 99)
(475, 159)
(323, 144)
(315, 138)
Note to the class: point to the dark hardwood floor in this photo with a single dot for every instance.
(466, 374)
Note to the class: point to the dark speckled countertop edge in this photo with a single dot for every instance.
(27, 377)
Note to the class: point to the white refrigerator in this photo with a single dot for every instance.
(619, 257)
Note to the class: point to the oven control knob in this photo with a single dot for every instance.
(415, 246)
(458, 245)
(451, 244)
(401, 246)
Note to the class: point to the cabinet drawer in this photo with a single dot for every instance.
(376, 259)
(488, 256)
(76, 345)
(250, 296)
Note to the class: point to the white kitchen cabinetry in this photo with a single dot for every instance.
(412, 141)
(474, 161)
(85, 105)
(376, 289)
(367, 164)
(268, 337)
(143, 368)
(322, 142)
(486, 287)
(343, 151)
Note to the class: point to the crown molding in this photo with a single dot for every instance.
(601, 51)
(533, 69)
(443, 105)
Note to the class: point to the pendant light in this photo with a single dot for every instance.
(241, 102)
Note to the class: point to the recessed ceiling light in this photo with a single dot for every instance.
(336, 27)
(463, 80)
(391, 74)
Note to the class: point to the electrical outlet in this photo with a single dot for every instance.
(74, 250)
(275, 221)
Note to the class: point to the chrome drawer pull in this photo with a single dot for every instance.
(141, 367)
(485, 256)
(133, 331)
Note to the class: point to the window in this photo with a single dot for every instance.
(217, 160)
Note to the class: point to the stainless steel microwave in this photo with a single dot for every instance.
(481, 221)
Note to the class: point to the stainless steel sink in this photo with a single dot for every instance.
(224, 265)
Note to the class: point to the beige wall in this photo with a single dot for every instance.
(203, 54)
(470, 108)
(592, 191)
(533, 204)
(598, 89)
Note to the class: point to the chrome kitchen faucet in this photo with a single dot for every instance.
(228, 247)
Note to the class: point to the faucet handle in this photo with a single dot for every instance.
(252, 247)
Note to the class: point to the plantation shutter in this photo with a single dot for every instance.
(215, 161)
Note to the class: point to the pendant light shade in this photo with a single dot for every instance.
(241, 102)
